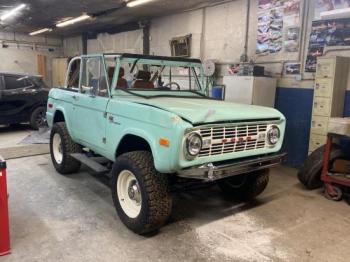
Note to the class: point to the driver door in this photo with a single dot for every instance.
(91, 102)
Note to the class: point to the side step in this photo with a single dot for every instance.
(93, 163)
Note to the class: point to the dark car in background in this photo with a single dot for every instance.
(23, 99)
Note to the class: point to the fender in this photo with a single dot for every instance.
(160, 158)
(67, 121)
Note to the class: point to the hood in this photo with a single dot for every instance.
(199, 111)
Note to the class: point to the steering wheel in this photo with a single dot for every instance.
(173, 83)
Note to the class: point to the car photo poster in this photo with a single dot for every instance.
(278, 26)
(326, 34)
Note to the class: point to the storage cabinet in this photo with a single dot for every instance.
(329, 95)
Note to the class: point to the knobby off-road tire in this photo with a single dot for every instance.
(61, 146)
(153, 210)
(247, 186)
(38, 117)
(310, 172)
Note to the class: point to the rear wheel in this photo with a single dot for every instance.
(310, 173)
(38, 118)
(140, 194)
(61, 148)
(246, 186)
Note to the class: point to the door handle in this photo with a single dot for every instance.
(75, 97)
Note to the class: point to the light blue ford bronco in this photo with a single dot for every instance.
(147, 122)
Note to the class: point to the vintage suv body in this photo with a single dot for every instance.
(148, 121)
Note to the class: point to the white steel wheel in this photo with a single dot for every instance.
(129, 194)
(57, 148)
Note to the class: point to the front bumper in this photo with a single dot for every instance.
(210, 172)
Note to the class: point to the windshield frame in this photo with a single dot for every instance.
(120, 60)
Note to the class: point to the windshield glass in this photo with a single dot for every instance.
(155, 77)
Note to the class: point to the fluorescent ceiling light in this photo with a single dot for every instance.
(73, 21)
(12, 12)
(137, 2)
(41, 31)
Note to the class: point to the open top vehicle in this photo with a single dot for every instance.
(147, 121)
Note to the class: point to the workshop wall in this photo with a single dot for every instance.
(72, 46)
(165, 28)
(19, 53)
(126, 42)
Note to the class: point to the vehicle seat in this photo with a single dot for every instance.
(143, 80)
(122, 83)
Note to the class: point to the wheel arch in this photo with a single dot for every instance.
(59, 116)
(131, 142)
(36, 105)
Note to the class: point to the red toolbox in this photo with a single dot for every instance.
(334, 182)
(4, 215)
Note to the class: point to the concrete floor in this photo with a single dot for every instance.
(11, 142)
(57, 218)
(12, 136)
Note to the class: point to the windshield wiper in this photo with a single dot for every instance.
(132, 93)
(201, 96)
(197, 93)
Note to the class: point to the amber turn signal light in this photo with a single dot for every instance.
(164, 142)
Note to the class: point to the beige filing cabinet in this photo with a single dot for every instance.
(329, 95)
(59, 71)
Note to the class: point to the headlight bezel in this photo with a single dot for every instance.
(188, 154)
(271, 133)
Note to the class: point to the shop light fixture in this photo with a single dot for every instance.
(134, 3)
(73, 21)
(44, 30)
(12, 12)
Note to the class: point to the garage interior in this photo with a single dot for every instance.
(290, 55)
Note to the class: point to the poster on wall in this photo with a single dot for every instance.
(274, 16)
(291, 43)
(326, 33)
(311, 58)
(329, 5)
(293, 68)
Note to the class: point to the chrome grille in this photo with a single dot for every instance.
(230, 138)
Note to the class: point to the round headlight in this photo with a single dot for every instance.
(194, 144)
(273, 135)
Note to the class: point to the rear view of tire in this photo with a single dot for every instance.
(38, 118)
(61, 146)
(140, 194)
(247, 186)
(310, 173)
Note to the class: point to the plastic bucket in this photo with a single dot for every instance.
(217, 92)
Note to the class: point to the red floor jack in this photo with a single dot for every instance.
(335, 183)
(4, 215)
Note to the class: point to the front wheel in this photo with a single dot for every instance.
(61, 148)
(140, 194)
(246, 186)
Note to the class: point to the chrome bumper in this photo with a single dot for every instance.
(210, 172)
